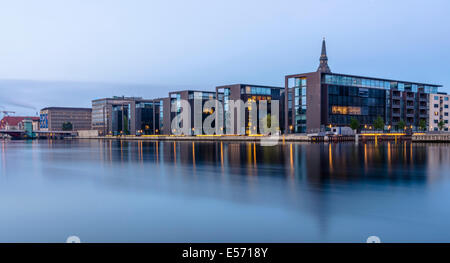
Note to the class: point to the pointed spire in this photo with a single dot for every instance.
(324, 48)
(323, 66)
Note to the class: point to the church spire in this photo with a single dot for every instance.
(323, 66)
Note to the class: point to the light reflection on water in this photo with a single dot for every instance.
(148, 191)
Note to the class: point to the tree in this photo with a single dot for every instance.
(401, 125)
(378, 124)
(441, 125)
(267, 123)
(354, 123)
(423, 124)
(67, 126)
(125, 124)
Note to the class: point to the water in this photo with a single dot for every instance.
(112, 191)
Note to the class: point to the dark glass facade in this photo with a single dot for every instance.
(135, 116)
(346, 102)
(316, 101)
(121, 120)
(250, 93)
(297, 104)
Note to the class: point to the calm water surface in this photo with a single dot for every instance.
(112, 191)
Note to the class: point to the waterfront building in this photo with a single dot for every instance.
(11, 123)
(139, 117)
(318, 100)
(439, 111)
(53, 118)
(102, 113)
(127, 116)
(248, 93)
(190, 96)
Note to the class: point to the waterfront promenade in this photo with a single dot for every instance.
(419, 137)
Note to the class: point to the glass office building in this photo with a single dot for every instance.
(127, 116)
(250, 93)
(321, 99)
(190, 96)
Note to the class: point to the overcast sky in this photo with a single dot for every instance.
(57, 53)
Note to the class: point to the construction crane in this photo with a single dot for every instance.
(6, 113)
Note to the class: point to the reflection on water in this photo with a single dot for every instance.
(150, 191)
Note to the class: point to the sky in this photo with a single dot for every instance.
(66, 53)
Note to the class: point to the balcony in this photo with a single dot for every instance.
(395, 103)
(410, 100)
(423, 98)
(394, 97)
(396, 113)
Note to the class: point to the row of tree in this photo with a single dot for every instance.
(379, 124)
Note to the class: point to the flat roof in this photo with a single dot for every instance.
(119, 98)
(66, 108)
(191, 90)
(391, 80)
(252, 85)
(365, 77)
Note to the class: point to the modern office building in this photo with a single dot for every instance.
(140, 117)
(247, 93)
(320, 99)
(127, 116)
(53, 118)
(190, 96)
(439, 111)
(102, 112)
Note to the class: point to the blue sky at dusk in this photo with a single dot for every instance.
(58, 53)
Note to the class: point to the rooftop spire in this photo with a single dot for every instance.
(323, 66)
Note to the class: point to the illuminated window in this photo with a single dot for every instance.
(344, 110)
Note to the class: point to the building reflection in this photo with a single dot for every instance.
(303, 176)
(315, 163)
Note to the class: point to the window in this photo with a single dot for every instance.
(436, 105)
(436, 98)
(445, 113)
(446, 106)
(436, 121)
(346, 110)
(446, 98)
(363, 92)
